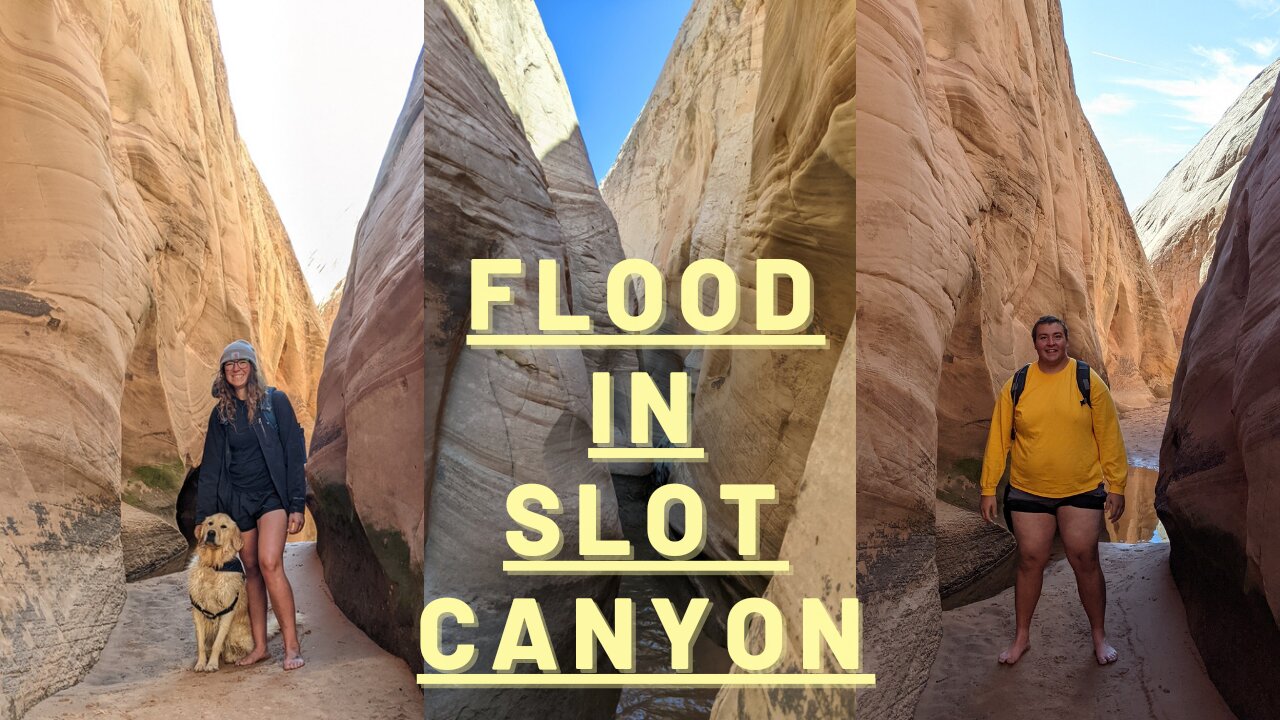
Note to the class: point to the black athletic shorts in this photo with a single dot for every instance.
(248, 506)
(1016, 500)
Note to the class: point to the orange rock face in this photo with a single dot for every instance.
(986, 202)
(1219, 491)
(136, 240)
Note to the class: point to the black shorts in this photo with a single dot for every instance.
(248, 506)
(1016, 500)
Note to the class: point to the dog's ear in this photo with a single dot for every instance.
(197, 533)
(237, 540)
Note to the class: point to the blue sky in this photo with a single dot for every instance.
(1155, 75)
(611, 52)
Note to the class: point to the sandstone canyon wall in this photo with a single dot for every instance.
(366, 464)
(502, 135)
(1179, 222)
(986, 202)
(137, 241)
(1219, 494)
(745, 151)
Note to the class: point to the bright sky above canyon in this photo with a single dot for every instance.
(1155, 75)
(317, 86)
(611, 52)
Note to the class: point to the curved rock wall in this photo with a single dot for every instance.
(501, 132)
(986, 202)
(366, 464)
(1219, 494)
(745, 151)
(1179, 222)
(137, 241)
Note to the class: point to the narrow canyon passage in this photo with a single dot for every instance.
(653, 647)
(1159, 673)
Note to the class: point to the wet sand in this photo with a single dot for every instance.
(1159, 674)
(1143, 431)
(145, 670)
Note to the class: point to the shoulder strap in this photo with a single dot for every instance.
(265, 408)
(1015, 391)
(1083, 382)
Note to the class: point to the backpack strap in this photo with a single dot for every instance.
(268, 416)
(1015, 391)
(1083, 382)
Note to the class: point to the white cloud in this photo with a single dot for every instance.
(1261, 8)
(1109, 104)
(1204, 98)
(1264, 48)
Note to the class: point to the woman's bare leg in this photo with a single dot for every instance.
(257, 592)
(1034, 532)
(271, 527)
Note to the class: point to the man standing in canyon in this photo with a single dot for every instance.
(1068, 467)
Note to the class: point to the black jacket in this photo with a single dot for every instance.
(285, 450)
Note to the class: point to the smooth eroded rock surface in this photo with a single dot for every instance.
(366, 465)
(1179, 222)
(986, 203)
(150, 544)
(507, 176)
(136, 241)
(1218, 495)
(745, 151)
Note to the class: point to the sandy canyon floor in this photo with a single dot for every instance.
(1159, 673)
(145, 670)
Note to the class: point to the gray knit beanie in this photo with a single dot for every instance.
(239, 350)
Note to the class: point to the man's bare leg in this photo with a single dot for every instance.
(1079, 527)
(1034, 532)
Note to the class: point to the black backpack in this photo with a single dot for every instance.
(1020, 383)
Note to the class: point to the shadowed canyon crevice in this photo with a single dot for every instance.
(1218, 494)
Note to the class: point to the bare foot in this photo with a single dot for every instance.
(1015, 651)
(1104, 652)
(256, 655)
(293, 660)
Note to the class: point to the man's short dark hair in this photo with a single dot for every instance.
(1049, 320)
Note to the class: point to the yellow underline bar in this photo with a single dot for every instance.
(647, 453)
(562, 340)
(672, 680)
(646, 567)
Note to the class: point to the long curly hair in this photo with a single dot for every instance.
(255, 390)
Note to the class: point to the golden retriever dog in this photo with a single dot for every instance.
(219, 603)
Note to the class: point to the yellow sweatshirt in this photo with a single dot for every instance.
(1062, 448)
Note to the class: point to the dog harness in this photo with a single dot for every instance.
(232, 565)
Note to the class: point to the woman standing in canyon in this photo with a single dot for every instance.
(1069, 466)
(254, 453)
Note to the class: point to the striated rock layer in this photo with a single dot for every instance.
(366, 464)
(501, 133)
(745, 151)
(986, 203)
(1218, 495)
(1179, 222)
(136, 240)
